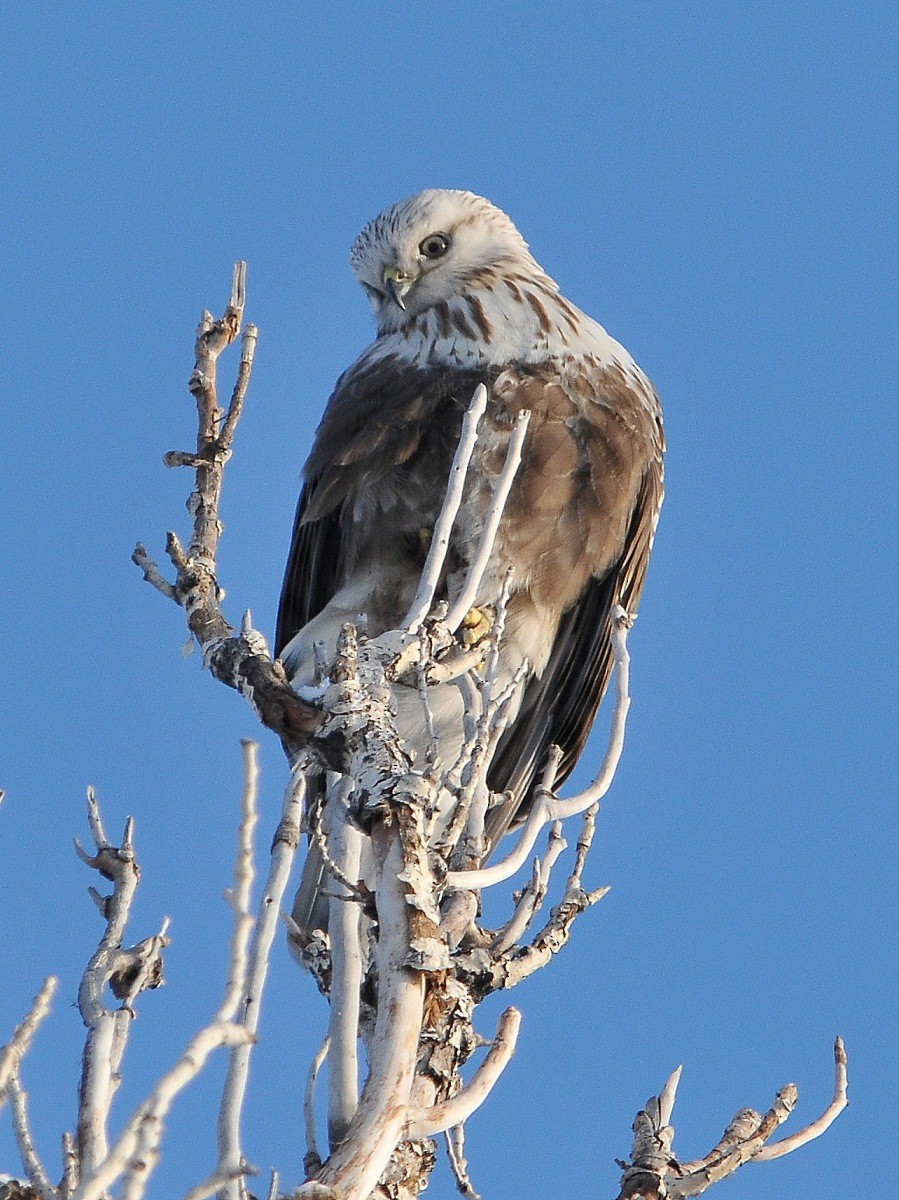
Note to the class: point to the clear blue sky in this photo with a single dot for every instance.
(717, 185)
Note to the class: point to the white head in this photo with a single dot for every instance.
(435, 247)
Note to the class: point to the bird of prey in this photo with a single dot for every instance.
(459, 300)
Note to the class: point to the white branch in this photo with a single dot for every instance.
(455, 1152)
(356, 1165)
(621, 623)
(18, 1045)
(34, 1168)
(547, 807)
(220, 1181)
(313, 1158)
(532, 896)
(459, 1108)
(231, 1164)
(430, 576)
(69, 1166)
(492, 713)
(664, 1102)
(139, 1143)
(136, 1151)
(492, 519)
(345, 847)
(107, 1031)
(824, 1122)
(655, 1171)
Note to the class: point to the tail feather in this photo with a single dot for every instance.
(310, 905)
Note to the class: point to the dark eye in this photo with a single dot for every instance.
(435, 245)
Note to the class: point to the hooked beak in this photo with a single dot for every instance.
(397, 284)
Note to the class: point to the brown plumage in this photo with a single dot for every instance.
(578, 527)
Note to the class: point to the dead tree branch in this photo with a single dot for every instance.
(92, 1166)
(654, 1173)
(232, 1166)
(404, 961)
(241, 661)
(20, 1042)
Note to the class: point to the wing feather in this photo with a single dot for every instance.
(560, 706)
(313, 567)
(401, 422)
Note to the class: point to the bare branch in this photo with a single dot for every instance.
(126, 972)
(547, 807)
(34, 1168)
(492, 519)
(136, 1151)
(621, 622)
(69, 1166)
(231, 1162)
(430, 576)
(355, 1166)
(312, 1160)
(239, 662)
(824, 1122)
(533, 894)
(459, 1108)
(345, 843)
(220, 1181)
(152, 574)
(455, 1152)
(654, 1170)
(18, 1045)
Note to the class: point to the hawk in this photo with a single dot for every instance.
(459, 300)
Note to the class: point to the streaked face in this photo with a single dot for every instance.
(430, 248)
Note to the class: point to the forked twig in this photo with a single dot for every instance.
(654, 1171)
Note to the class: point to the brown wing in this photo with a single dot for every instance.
(582, 538)
(313, 568)
(588, 500)
(560, 706)
(381, 415)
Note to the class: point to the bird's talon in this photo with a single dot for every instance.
(476, 624)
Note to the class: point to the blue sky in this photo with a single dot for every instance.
(716, 184)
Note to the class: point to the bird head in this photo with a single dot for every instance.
(431, 248)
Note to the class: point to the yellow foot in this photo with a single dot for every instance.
(476, 624)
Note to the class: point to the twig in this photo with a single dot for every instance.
(312, 1160)
(459, 1108)
(231, 1162)
(455, 1152)
(315, 815)
(430, 576)
(521, 962)
(549, 808)
(533, 893)
(492, 518)
(421, 676)
(816, 1128)
(107, 1030)
(651, 1156)
(485, 733)
(69, 1166)
(220, 1181)
(240, 662)
(20, 1042)
(34, 1168)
